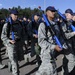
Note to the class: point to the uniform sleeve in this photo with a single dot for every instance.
(4, 37)
(69, 35)
(42, 38)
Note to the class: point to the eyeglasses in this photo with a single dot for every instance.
(53, 11)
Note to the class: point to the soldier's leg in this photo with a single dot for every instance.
(37, 50)
(13, 60)
(32, 48)
(46, 69)
(1, 65)
(64, 66)
(6, 52)
(71, 62)
(19, 50)
(68, 64)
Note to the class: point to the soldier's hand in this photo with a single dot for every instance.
(73, 32)
(34, 35)
(57, 48)
(12, 41)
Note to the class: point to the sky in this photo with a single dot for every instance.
(62, 5)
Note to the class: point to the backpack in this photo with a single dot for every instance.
(9, 26)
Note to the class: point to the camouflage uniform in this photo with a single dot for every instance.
(69, 58)
(48, 65)
(14, 50)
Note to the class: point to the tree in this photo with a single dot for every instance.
(27, 12)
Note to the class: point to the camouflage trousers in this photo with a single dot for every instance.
(68, 62)
(48, 65)
(47, 69)
(13, 52)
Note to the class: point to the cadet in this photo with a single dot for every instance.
(14, 46)
(68, 60)
(33, 33)
(45, 41)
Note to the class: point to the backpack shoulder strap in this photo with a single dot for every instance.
(8, 29)
(46, 28)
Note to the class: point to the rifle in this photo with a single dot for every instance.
(51, 30)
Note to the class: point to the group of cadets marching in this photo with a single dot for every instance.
(39, 33)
